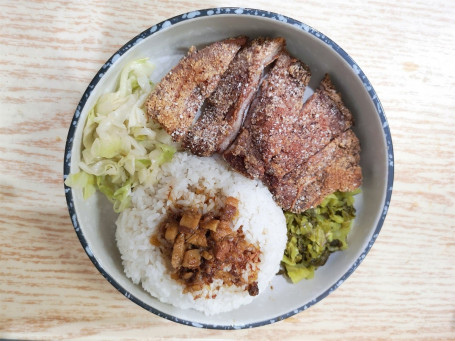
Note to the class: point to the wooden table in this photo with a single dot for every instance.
(49, 289)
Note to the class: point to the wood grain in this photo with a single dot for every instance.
(404, 289)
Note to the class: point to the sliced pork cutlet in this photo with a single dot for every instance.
(223, 112)
(324, 117)
(334, 168)
(179, 95)
(272, 114)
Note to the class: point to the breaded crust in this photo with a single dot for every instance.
(304, 154)
(324, 116)
(180, 94)
(224, 110)
(272, 114)
(334, 168)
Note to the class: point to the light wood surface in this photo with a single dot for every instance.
(49, 289)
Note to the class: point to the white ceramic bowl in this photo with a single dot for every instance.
(165, 43)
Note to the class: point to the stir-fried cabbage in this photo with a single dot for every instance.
(120, 147)
(314, 234)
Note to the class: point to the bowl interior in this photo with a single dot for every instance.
(164, 48)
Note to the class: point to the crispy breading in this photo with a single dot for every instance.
(285, 146)
(179, 95)
(334, 168)
(224, 111)
(272, 117)
(324, 116)
(301, 151)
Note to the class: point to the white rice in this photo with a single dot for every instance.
(262, 220)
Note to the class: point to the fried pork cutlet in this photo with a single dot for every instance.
(224, 111)
(334, 168)
(272, 116)
(324, 117)
(282, 148)
(179, 95)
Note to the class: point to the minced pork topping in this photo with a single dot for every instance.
(204, 248)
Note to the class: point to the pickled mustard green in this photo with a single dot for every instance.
(316, 233)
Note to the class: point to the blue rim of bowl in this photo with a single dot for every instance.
(205, 13)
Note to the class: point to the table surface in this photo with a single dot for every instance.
(49, 289)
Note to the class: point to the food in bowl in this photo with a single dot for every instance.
(182, 91)
(259, 134)
(227, 267)
(224, 110)
(301, 151)
(121, 149)
(316, 233)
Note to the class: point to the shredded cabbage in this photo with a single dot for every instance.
(120, 147)
(314, 234)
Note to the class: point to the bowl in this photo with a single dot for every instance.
(164, 44)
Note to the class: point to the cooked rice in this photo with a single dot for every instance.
(262, 220)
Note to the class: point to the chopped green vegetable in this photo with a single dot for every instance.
(120, 147)
(84, 181)
(314, 234)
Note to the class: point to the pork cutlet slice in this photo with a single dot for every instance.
(277, 147)
(272, 114)
(179, 95)
(324, 116)
(334, 168)
(223, 112)
(319, 156)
